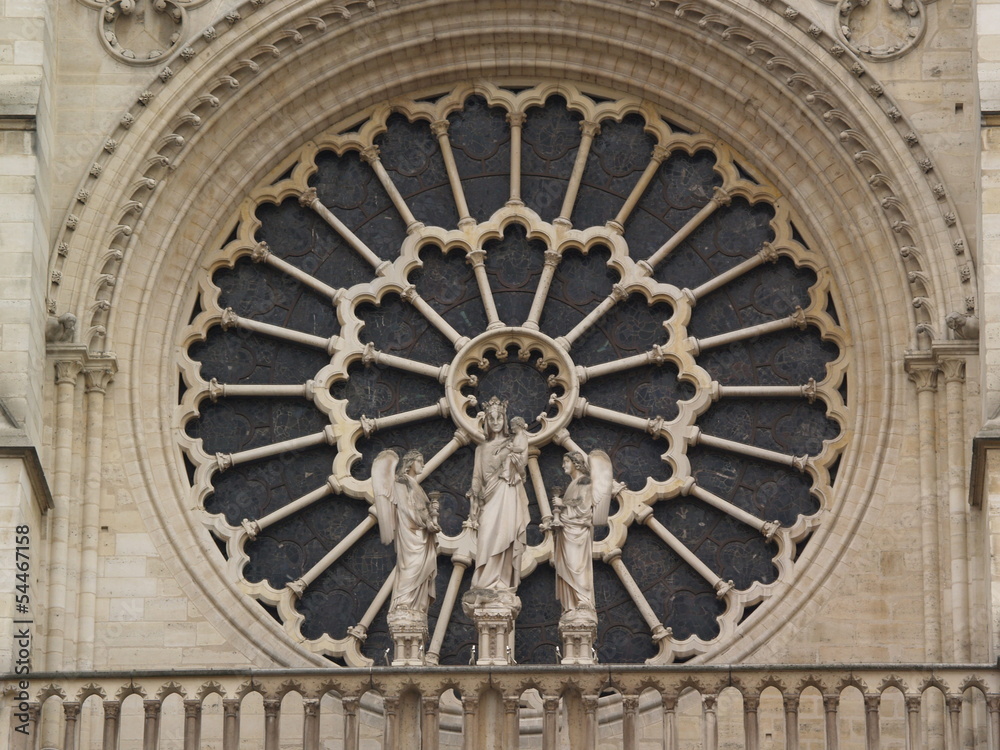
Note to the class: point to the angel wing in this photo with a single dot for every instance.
(383, 482)
(602, 485)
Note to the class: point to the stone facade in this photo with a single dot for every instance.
(121, 172)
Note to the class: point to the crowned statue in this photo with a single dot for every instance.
(499, 502)
(499, 518)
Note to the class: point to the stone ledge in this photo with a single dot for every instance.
(16, 445)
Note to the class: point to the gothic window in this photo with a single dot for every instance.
(624, 282)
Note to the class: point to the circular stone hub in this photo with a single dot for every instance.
(526, 368)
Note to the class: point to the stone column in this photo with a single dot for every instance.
(430, 727)
(670, 722)
(272, 724)
(112, 711)
(711, 722)
(97, 377)
(470, 706)
(791, 703)
(872, 737)
(590, 722)
(71, 709)
(993, 706)
(954, 737)
(830, 705)
(67, 375)
(953, 370)
(923, 373)
(231, 724)
(751, 726)
(550, 721)
(630, 706)
(511, 723)
(151, 724)
(192, 724)
(913, 722)
(389, 736)
(310, 724)
(352, 729)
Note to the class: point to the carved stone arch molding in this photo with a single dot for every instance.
(164, 191)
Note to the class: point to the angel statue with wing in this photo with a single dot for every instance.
(406, 516)
(584, 504)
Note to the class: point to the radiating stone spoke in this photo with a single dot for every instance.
(254, 527)
(460, 564)
(552, 259)
(231, 320)
(477, 259)
(795, 320)
(371, 354)
(767, 528)
(310, 199)
(659, 154)
(440, 130)
(262, 254)
(588, 130)
(654, 426)
(434, 317)
(700, 438)
(370, 155)
(614, 559)
(360, 631)
(538, 484)
(460, 438)
(516, 120)
(564, 439)
(656, 356)
(618, 293)
(299, 585)
(370, 425)
(645, 515)
(228, 460)
(719, 198)
(767, 254)
(217, 390)
(807, 391)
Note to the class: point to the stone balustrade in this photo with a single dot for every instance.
(829, 707)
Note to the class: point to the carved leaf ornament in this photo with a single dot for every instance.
(625, 283)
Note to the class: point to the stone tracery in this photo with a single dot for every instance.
(642, 261)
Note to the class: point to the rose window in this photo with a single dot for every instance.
(623, 282)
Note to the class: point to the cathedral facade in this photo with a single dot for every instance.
(583, 373)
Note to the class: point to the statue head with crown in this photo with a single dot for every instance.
(493, 418)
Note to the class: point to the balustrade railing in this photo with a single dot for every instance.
(829, 707)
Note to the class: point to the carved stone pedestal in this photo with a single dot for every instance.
(493, 613)
(408, 630)
(578, 629)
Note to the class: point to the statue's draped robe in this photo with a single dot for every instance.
(573, 556)
(416, 554)
(498, 478)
